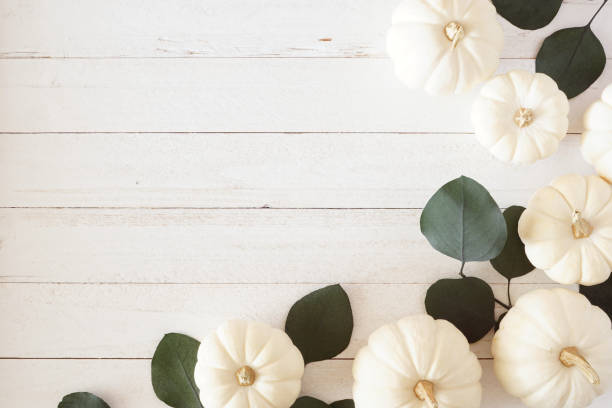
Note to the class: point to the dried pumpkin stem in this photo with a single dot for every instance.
(570, 357)
(245, 376)
(424, 390)
(523, 117)
(580, 227)
(454, 32)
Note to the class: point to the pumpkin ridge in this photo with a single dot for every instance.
(399, 336)
(221, 346)
(263, 347)
(542, 325)
(441, 12)
(254, 390)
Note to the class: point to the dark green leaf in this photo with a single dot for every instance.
(309, 402)
(573, 57)
(468, 303)
(321, 323)
(528, 14)
(513, 262)
(82, 400)
(347, 403)
(172, 371)
(600, 295)
(463, 221)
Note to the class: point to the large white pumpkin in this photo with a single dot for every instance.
(248, 365)
(521, 117)
(417, 362)
(567, 230)
(554, 350)
(597, 136)
(445, 46)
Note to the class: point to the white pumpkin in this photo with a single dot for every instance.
(597, 136)
(554, 350)
(248, 365)
(445, 46)
(567, 230)
(417, 362)
(521, 117)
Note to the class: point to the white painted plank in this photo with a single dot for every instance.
(260, 170)
(231, 95)
(232, 28)
(126, 383)
(47, 320)
(223, 246)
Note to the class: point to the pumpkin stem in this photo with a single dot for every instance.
(580, 227)
(424, 390)
(454, 32)
(523, 117)
(245, 376)
(571, 357)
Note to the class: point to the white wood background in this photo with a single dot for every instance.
(167, 165)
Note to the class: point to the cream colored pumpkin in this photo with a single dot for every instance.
(521, 117)
(248, 365)
(417, 362)
(445, 46)
(597, 136)
(567, 230)
(554, 350)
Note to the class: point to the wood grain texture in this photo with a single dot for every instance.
(127, 320)
(224, 246)
(232, 28)
(260, 170)
(232, 95)
(125, 383)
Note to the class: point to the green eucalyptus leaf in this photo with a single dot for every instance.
(468, 303)
(347, 403)
(463, 221)
(574, 57)
(172, 371)
(321, 323)
(528, 14)
(513, 262)
(600, 295)
(309, 402)
(82, 400)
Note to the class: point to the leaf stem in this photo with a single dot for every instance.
(597, 12)
(461, 270)
(502, 304)
(509, 298)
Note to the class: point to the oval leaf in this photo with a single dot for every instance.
(82, 400)
(321, 323)
(309, 402)
(600, 295)
(463, 221)
(513, 262)
(574, 57)
(347, 403)
(468, 303)
(528, 14)
(172, 371)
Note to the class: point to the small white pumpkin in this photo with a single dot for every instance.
(554, 350)
(597, 136)
(521, 117)
(417, 362)
(248, 365)
(445, 46)
(567, 230)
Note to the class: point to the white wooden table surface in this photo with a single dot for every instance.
(167, 165)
